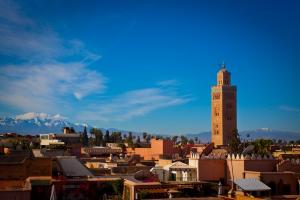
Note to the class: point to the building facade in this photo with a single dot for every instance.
(223, 108)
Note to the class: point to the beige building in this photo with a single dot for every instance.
(176, 171)
(223, 109)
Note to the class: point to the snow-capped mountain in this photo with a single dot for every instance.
(36, 123)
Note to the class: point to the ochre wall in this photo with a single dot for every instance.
(211, 169)
(288, 178)
(158, 148)
(240, 165)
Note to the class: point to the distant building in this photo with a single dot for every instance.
(223, 108)
(280, 176)
(68, 141)
(176, 171)
(160, 148)
(48, 140)
(102, 151)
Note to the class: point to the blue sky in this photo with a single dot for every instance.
(149, 65)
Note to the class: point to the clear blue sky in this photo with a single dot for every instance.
(149, 65)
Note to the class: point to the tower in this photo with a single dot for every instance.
(223, 108)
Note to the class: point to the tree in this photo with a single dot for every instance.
(196, 139)
(116, 137)
(138, 140)
(144, 136)
(234, 147)
(98, 136)
(85, 139)
(129, 139)
(235, 143)
(261, 146)
(174, 139)
(191, 141)
(72, 130)
(148, 139)
(184, 140)
(106, 137)
(158, 137)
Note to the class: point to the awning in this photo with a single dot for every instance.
(251, 184)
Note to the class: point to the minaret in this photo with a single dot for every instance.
(223, 108)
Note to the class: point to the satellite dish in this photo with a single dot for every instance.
(248, 149)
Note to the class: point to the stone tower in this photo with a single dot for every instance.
(223, 108)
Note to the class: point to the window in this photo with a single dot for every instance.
(216, 96)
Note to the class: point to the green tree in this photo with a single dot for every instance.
(138, 140)
(191, 141)
(129, 139)
(106, 137)
(85, 139)
(184, 140)
(148, 139)
(235, 143)
(72, 130)
(196, 139)
(98, 136)
(261, 146)
(174, 139)
(144, 136)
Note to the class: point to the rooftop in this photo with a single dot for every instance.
(71, 167)
(251, 184)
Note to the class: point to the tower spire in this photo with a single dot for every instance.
(223, 66)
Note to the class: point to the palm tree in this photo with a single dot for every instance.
(261, 146)
(196, 139)
(144, 136)
(174, 139)
(234, 147)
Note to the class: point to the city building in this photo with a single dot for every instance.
(68, 141)
(177, 171)
(223, 108)
(49, 140)
(160, 148)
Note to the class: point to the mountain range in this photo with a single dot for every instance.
(265, 133)
(38, 123)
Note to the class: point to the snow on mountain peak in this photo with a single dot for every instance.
(32, 115)
(36, 123)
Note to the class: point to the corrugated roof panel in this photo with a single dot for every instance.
(251, 184)
(73, 168)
